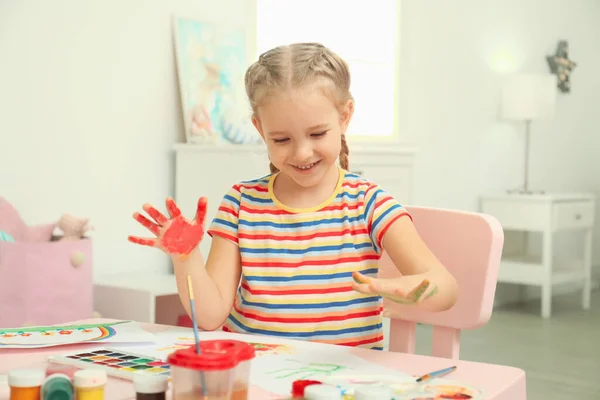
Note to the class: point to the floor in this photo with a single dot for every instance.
(560, 355)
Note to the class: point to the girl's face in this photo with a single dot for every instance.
(302, 129)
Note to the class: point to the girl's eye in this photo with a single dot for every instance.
(280, 140)
(321, 134)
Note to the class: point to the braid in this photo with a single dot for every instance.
(344, 154)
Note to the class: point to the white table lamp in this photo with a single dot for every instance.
(528, 97)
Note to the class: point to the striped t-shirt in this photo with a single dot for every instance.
(297, 264)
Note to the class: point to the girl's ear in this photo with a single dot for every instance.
(258, 126)
(346, 115)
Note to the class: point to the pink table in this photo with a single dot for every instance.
(498, 382)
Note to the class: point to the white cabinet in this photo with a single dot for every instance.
(141, 297)
(389, 167)
(206, 170)
(547, 214)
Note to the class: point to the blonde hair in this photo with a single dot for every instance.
(291, 66)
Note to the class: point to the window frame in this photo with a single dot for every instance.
(360, 137)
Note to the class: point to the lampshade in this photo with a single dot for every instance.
(528, 96)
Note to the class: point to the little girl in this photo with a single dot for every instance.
(295, 253)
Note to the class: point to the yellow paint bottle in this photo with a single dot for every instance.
(89, 384)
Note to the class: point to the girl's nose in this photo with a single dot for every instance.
(303, 152)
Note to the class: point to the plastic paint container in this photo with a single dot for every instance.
(58, 387)
(25, 384)
(243, 351)
(149, 387)
(89, 384)
(214, 373)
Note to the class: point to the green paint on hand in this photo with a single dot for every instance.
(434, 291)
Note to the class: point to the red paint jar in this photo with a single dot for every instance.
(299, 386)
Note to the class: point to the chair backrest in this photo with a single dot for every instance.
(469, 245)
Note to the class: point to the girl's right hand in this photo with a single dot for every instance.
(176, 236)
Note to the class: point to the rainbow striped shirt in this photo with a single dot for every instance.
(297, 264)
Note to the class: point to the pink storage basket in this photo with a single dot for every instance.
(43, 283)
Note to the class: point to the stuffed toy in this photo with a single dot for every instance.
(71, 228)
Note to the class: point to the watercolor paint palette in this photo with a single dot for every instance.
(117, 363)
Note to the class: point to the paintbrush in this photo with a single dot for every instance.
(195, 323)
(193, 312)
(436, 374)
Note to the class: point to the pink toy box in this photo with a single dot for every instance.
(42, 282)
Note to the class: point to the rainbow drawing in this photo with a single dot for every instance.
(41, 336)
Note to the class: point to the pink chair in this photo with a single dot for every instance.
(469, 245)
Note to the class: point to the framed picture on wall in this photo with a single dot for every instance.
(211, 62)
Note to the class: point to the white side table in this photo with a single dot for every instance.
(545, 213)
(141, 297)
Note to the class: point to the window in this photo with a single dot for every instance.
(366, 36)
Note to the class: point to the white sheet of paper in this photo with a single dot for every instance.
(277, 373)
(279, 362)
(46, 336)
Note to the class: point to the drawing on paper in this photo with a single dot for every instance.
(262, 349)
(405, 387)
(180, 343)
(435, 391)
(306, 371)
(44, 336)
(34, 336)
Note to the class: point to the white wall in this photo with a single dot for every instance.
(89, 112)
(450, 87)
(92, 86)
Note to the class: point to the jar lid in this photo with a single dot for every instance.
(26, 377)
(299, 386)
(57, 386)
(322, 392)
(90, 377)
(203, 361)
(377, 392)
(244, 351)
(148, 384)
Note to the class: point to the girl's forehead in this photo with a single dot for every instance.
(305, 100)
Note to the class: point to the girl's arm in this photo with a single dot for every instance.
(214, 283)
(425, 282)
(416, 263)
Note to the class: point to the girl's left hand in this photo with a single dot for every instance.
(407, 289)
